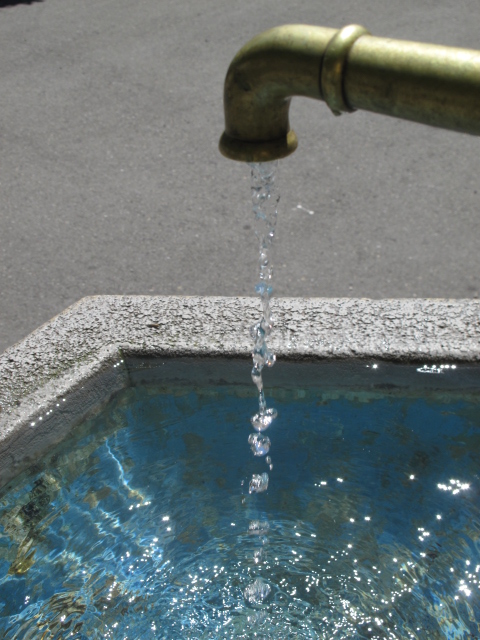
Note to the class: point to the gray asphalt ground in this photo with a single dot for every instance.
(111, 182)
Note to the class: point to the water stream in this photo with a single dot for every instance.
(265, 209)
(264, 205)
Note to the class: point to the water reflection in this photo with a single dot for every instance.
(138, 529)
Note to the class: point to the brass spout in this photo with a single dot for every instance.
(349, 69)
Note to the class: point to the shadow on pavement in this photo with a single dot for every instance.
(12, 3)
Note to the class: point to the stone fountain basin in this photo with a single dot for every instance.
(71, 366)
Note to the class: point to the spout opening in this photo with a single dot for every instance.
(242, 151)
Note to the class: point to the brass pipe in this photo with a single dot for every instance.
(349, 69)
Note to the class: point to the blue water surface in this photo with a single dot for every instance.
(141, 525)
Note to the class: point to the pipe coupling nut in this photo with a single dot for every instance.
(333, 67)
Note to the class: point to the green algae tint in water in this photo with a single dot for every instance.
(139, 528)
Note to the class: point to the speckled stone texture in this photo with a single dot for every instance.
(65, 369)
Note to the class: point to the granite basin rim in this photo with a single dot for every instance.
(72, 364)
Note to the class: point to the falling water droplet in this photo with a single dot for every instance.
(258, 556)
(258, 527)
(258, 483)
(261, 421)
(257, 591)
(259, 444)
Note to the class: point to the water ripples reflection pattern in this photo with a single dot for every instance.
(136, 529)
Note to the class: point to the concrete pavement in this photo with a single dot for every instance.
(111, 182)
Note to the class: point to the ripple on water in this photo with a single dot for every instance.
(137, 529)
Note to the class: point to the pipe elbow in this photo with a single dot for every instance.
(260, 82)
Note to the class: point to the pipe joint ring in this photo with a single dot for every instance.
(333, 67)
